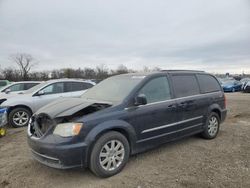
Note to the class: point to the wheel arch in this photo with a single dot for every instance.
(20, 106)
(119, 126)
(216, 109)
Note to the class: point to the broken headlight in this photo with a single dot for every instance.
(3, 116)
(67, 129)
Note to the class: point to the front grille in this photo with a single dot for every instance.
(40, 124)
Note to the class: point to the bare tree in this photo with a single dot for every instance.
(25, 62)
(10, 74)
(121, 69)
(102, 71)
(89, 73)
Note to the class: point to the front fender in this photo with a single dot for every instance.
(111, 125)
(13, 104)
(17, 102)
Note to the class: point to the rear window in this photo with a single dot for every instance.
(208, 83)
(185, 85)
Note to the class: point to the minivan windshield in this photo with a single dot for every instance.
(113, 89)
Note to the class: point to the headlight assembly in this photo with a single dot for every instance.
(68, 129)
(2, 100)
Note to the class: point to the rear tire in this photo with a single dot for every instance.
(19, 117)
(109, 154)
(212, 126)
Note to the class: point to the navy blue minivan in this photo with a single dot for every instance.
(124, 115)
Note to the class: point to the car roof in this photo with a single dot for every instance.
(68, 80)
(146, 74)
(26, 82)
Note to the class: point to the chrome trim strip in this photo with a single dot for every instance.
(171, 124)
(175, 99)
(165, 134)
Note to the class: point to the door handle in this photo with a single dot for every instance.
(171, 106)
(183, 105)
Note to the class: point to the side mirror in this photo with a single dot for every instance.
(7, 91)
(41, 92)
(140, 100)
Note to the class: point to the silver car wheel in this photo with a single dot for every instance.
(213, 126)
(20, 118)
(112, 155)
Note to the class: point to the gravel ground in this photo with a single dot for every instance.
(190, 162)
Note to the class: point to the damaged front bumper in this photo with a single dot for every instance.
(63, 155)
(3, 117)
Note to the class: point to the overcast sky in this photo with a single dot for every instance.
(212, 35)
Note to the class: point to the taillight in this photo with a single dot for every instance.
(225, 100)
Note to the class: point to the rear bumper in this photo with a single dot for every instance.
(63, 156)
(227, 89)
(223, 115)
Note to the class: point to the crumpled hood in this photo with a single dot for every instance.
(66, 106)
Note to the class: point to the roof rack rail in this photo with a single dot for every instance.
(181, 70)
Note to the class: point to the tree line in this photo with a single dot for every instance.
(25, 63)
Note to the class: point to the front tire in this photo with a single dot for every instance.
(109, 154)
(212, 126)
(19, 117)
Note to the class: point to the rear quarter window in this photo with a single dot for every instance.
(208, 83)
(185, 85)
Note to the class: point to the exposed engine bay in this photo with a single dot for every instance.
(42, 122)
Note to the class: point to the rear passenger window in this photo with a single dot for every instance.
(185, 85)
(77, 86)
(156, 90)
(208, 83)
(29, 85)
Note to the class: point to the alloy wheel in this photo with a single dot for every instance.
(213, 126)
(112, 155)
(20, 118)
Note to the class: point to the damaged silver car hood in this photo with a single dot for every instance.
(67, 106)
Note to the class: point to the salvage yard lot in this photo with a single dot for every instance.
(190, 162)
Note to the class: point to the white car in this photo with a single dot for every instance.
(17, 108)
(18, 87)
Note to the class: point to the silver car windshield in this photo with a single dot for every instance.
(113, 89)
(35, 88)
